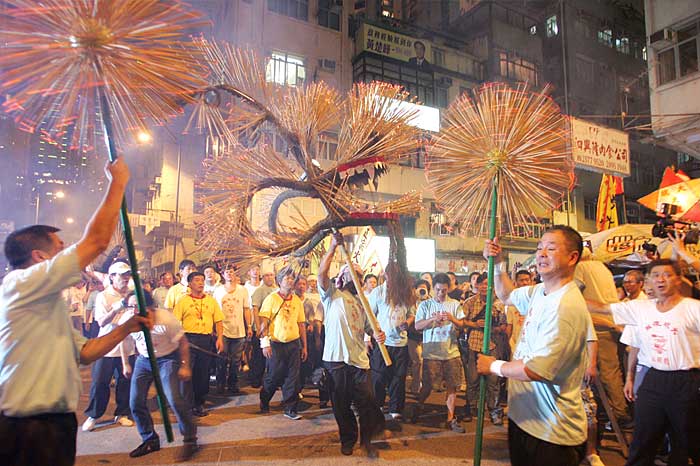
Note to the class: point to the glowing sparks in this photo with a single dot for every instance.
(58, 56)
(517, 135)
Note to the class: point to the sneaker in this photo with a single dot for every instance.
(396, 416)
(199, 412)
(89, 424)
(124, 421)
(188, 450)
(291, 414)
(594, 460)
(497, 418)
(346, 450)
(455, 426)
(149, 446)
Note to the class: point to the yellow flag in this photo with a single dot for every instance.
(606, 213)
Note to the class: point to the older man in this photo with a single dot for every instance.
(668, 334)
(39, 349)
(547, 423)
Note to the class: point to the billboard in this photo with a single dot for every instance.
(392, 44)
(600, 149)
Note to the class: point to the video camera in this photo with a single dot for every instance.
(665, 225)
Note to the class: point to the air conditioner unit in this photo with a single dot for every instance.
(444, 81)
(327, 65)
(662, 39)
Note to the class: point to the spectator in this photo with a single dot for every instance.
(165, 282)
(177, 291)
(110, 305)
(439, 319)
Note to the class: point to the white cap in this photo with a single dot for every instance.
(119, 268)
(311, 277)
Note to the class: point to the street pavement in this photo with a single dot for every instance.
(234, 433)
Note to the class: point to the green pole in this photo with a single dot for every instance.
(129, 240)
(487, 328)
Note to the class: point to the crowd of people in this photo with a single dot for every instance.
(552, 334)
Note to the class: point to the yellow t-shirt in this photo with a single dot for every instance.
(288, 314)
(198, 315)
(175, 294)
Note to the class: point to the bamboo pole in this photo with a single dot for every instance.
(487, 328)
(363, 299)
(129, 240)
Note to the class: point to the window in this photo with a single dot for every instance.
(590, 208)
(298, 9)
(681, 59)
(329, 12)
(328, 146)
(438, 57)
(688, 57)
(441, 94)
(605, 37)
(623, 45)
(551, 27)
(369, 68)
(667, 66)
(388, 8)
(285, 69)
(533, 30)
(517, 69)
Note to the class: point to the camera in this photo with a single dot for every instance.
(665, 225)
(422, 291)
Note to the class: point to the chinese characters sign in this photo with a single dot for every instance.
(388, 43)
(600, 149)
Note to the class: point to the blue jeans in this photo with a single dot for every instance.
(141, 381)
(102, 372)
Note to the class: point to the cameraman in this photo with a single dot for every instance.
(471, 345)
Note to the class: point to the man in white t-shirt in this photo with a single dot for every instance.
(238, 325)
(110, 305)
(39, 350)
(253, 282)
(345, 356)
(547, 423)
(668, 334)
(440, 319)
(211, 279)
(173, 359)
(165, 281)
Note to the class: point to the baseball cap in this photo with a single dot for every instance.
(119, 268)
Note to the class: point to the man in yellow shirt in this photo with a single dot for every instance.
(199, 313)
(177, 291)
(283, 342)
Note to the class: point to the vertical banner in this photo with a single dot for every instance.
(606, 212)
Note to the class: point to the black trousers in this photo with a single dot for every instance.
(392, 377)
(667, 401)
(102, 372)
(38, 440)
(283, 371)
(349, 384)
(195, 391)
(526, 450)
(257, 363)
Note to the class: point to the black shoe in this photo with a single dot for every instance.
(346, 450)
(199, 412)
(417, 411)
(187, 451)
(264, 409)
(371, 451)
(149, 446)
(467, 415)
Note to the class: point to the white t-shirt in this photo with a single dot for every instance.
(211, 289)
(389, 317)
(165, 335)
(39, 349)
(346, 324)
(440, 339)
(629, 333)
(103, 306)
(668, 341)
(232, 305)
(250, 288)
(516, 319)
(552, 344)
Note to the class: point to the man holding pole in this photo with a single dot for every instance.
(547, 422)
(39, 349)
(345, 357)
